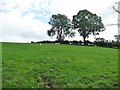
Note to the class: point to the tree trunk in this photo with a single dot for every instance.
(60, 36)
(84, 41)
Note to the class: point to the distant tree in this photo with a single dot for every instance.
(117, 37)
(100, 40)
(87, 23)
(32, 42)
(61, 26)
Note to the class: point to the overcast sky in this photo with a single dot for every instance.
(27, 20)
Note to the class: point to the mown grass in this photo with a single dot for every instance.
(58, 66)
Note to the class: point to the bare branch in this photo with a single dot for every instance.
(116, 9)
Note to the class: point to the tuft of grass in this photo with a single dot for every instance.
(58, 66)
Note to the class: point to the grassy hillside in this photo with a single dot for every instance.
(66, 66)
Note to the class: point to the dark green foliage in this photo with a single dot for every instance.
(104, 43)
(61, 26)
(87, 23)
(107, 44)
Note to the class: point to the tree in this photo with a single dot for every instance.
(100, 40)
(117, 37)
(87, 23)
(61, 26)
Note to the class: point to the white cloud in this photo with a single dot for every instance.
(15, 27)
(111, 26)
(70, 7)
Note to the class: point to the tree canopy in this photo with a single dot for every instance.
(87, 23)
(61, 26)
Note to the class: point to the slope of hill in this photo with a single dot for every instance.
(55, 66)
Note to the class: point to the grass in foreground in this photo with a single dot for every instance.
(59, 66)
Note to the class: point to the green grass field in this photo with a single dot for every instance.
(58, 66)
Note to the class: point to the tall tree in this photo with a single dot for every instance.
(61, 26)
(87, 23)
